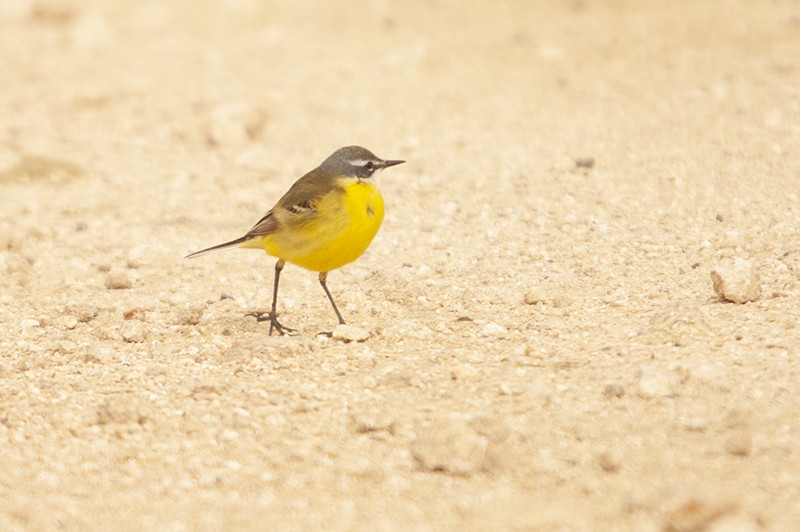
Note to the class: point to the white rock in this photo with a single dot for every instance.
(348, 333)
(132, 331)
(493, 329)
(610, 460)
(533, 296)
(118, 280)
(613, 389)
(190, 315)
(695, 423)
(69, 322)
(658, 382)
(84, 312)
(737, 281)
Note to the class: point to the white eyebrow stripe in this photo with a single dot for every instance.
(358, 162)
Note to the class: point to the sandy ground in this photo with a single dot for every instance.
(547, 351)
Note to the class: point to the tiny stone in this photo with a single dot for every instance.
(613, 389)
(132, 331)
(348, 333)
(696, 424)
(533, 296)
(29, 322)
(609, 460)
(83, 312)
(190, 315)
(739, 443)
(493, 329)
(562, 301)
(228, 434)
(737, 281)
(118, 280)
(584, 162)
(136, 313)
(658, 382)
(69, 322)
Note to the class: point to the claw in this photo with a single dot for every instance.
(273, 322)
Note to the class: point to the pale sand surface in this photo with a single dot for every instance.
(623, 395)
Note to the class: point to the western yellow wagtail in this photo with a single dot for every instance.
(326, 220)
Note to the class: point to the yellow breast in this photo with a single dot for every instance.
(345, 223)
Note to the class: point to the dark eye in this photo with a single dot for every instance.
(370, 166)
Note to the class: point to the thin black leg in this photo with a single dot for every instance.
(273, 315)
(323, 277)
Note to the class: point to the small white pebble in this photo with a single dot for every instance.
(118, 280)
(658, 382)
(29, 322)
(132, 331)
(737, 281)
(83, 312)
(533, 296)
(69, 322)
(348, 333)
(613, 389)
(609, 460)
(493, 329)
(229, 434)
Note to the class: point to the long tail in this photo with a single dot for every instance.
(220, 247)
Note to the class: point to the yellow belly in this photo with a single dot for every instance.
(346, 221)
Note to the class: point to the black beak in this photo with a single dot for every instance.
(387, 164)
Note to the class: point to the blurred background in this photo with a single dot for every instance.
(576, 168)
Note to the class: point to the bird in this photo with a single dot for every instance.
(327, 219)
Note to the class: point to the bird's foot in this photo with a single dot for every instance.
(273, 322)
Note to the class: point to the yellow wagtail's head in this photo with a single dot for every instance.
(355, 162)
